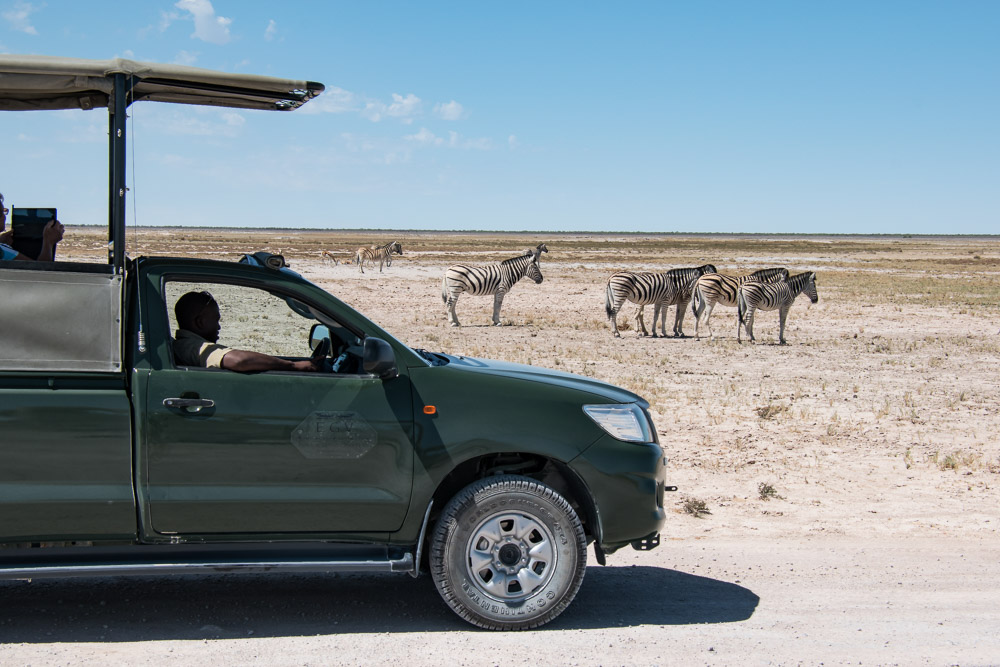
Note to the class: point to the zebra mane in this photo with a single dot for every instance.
(800, 279)
(527, 253)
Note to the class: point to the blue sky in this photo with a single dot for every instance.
(714, 116)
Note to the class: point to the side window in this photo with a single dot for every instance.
(250, 318)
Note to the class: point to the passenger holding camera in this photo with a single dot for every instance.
(51, 235)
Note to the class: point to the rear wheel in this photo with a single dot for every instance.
(508, 553)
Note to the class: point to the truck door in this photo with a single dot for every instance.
(272, 452)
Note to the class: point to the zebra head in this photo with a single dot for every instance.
(541, 248)
(810, 287)
(533, 271)
(395, 247)
(707, 268)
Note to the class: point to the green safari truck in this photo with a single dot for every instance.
(116, 459)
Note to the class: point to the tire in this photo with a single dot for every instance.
(508, 553)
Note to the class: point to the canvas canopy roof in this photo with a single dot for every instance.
(48, 82)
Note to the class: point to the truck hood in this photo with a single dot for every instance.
(607, 392)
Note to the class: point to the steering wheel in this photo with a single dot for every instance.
(322, 353)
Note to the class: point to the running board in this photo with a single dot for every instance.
(403, 564)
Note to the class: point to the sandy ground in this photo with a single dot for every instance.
(849, 479)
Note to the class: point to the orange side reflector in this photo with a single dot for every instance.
(430, 410)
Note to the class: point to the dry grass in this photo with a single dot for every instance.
(896, 363)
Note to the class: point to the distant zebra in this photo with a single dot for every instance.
(383, 253)
(495, 279)
(753, 295)
(657, 289)
(721, 289)
(328, 256)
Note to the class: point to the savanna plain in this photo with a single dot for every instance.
(838, 495)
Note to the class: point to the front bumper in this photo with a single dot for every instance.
(627, 483)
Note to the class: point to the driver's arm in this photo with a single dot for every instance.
(246, 361)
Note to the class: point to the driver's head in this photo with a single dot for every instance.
(199, 313)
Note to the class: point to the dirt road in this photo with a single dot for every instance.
(696, 601)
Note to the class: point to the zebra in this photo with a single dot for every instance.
(753, 295)
(721, 289)
(495, 279)
(661, 290)
(383, 253)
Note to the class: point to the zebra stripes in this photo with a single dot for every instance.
(495, 279)
(754, 295)
(721, 289)
(658, 289)
(383, 253)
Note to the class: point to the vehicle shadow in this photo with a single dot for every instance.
(128, 609)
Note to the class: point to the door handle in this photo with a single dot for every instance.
(197, 403)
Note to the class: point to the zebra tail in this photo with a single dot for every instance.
(741, 307)
(607, 301)
(444, 288)
(696, 301)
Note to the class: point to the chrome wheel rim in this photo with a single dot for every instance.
(511, 556)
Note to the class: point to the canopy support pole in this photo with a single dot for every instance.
(117, 116)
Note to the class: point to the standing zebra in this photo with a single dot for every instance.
(661, 290)
(721, 289)
(495, 279)
(383, 253)
(753, 295)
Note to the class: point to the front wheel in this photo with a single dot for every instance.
(508, 553)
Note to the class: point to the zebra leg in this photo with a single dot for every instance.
(741, 311)
(614, 323)
(641, 329)
(749, 324)
(663, 308)
(656, 317)
(611, 308)
(679, 320)
(708, 316)
(497, 302)
(782, 316)
(450, 305)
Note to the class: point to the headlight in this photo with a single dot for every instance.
(623, 422)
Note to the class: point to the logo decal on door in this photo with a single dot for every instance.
(334, 435)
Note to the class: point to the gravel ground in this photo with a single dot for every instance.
(874, 429)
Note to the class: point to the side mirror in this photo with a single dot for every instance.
(379, 359)
(317, 334)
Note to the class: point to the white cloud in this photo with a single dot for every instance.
(512, 142)
(333, 100)
(185, 58)
(166, 18)
(401, 107)
(481, 144)
(233, 119)
(207, 26)
(193, 121)
(449, 111)
(19, 17)
(272, 28)
(425, 137)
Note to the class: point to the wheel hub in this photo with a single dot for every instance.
(511, 555)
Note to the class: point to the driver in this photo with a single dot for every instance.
(197, 341)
